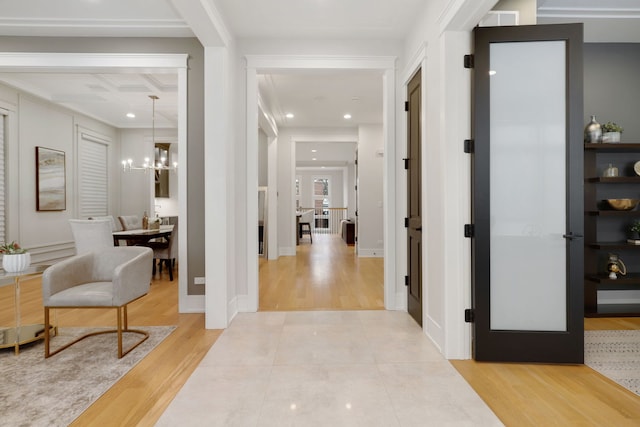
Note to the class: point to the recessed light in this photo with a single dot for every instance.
(314, 151)
(347, 116)
(131, 115)
(314, 159)
(289, 115)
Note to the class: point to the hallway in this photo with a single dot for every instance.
(326, 368)
(324, 275)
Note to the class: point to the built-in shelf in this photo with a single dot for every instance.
(605, 228)
(615, 179)
(614, 213)
(613, 245)
(612, 148)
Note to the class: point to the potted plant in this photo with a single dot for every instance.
(635, 230)
(14, 257)
(611, 132)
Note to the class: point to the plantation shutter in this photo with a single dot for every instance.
(93, 176)
(3, 119)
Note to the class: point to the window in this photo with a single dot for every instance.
(321, 194)
(94, 178)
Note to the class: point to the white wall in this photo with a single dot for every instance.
(37, 122)
(370, 218)
(263, 157)
(441, 37)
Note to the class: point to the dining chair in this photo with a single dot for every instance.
(166, 252)
(91, 235)
(130, 222)
(115, 225)
(106, 278)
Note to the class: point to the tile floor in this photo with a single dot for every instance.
(326, 368)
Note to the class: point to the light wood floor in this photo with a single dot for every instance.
(520, 394)
(324, 275)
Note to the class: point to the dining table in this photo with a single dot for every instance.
(142, 236)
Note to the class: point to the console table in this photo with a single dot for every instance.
(20, 334)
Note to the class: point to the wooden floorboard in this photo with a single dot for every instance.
(520, 394)
(555, 395)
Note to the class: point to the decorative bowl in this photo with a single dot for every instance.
(623, 204)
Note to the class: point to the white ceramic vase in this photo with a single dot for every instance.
(611, 137)
(13, 263)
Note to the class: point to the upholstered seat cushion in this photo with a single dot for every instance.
(94, 294)
(109, 277)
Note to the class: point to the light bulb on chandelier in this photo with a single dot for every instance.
(127, 165)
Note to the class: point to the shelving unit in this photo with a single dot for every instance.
(606, 229)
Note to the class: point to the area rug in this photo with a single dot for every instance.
(53, 392)
(616, 355)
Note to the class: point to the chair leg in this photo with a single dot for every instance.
(47, 337)
(153, 268)
(119, 310)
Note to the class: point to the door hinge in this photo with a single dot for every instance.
(469, 230)
(469, 145)
(406, 105)
(468, 61)
(406, 280)
(356, 188)
(406, 223)
(406, 163)
(469, 315)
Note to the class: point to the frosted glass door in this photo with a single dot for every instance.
(528, 195)
(527, 168)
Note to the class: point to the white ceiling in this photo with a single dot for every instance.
(333, 19)
(317, 100)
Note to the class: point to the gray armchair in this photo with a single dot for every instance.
(110, 277)
(90, 235)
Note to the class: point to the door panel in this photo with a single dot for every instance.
(527, 197)
(414, 198)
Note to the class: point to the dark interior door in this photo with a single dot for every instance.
(414, 197)
(527, 194)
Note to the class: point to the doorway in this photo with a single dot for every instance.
(256, 65)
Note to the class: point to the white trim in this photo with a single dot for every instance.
(370, 253)
(271, 62)
(232, 309)
(416, 62)
(287, 251)
(192, 303)
(264, 63)
(185, 303)
(90, 62)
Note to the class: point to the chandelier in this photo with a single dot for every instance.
(158, 164)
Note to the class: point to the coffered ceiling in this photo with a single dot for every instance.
(316, 99)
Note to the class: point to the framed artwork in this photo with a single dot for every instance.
(51, 194)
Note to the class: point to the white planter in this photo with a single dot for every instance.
(611, 137)
(16, 262)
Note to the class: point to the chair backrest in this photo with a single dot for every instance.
(130, 222)
(115, 225)
(91, 235)
(173, 241)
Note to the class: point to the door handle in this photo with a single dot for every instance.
(571, 236)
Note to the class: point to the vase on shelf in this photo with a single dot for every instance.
(12, 263)
(593, 132)
(611, 137)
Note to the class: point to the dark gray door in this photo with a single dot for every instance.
(527, 250)
(414, 198)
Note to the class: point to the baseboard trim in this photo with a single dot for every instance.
(287, 251)
(191, 304)
(370, 253)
